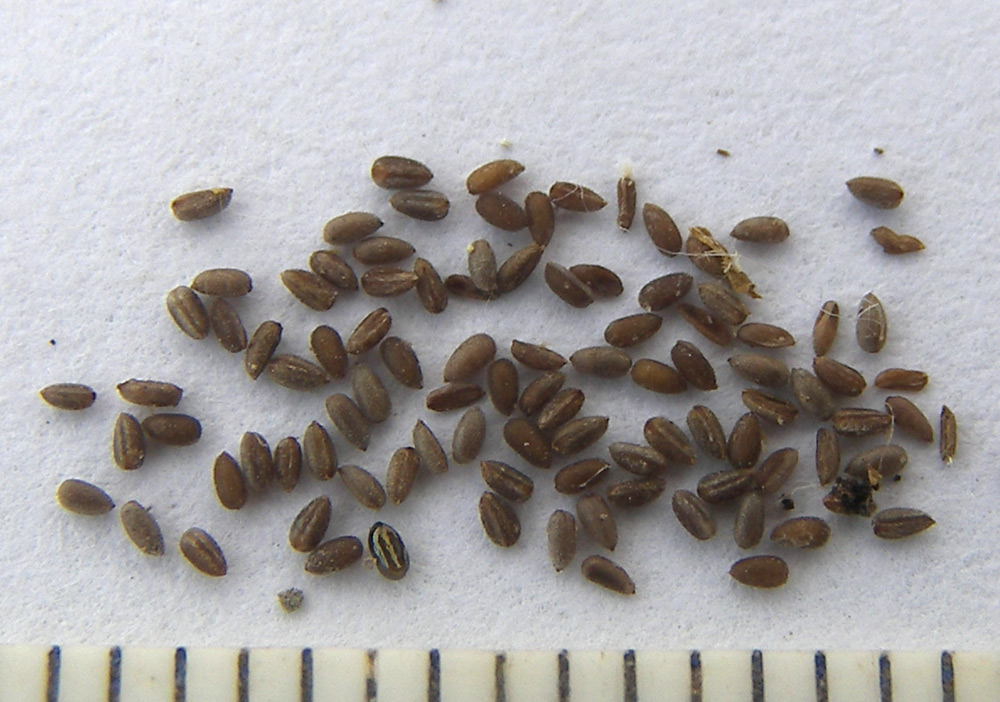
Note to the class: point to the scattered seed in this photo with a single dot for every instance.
(202, 552)
(760, 571)
(492, 175)
(172, 429)
(560, 409)
(364, 486)
(872, 325)
(693, 365)
(901, 379)
(602, 282)
(310, 525)
(350, 227)
(726, 485)
(328, 265)
(765, 336)
(401, 361)
(859, 421)
(394, 172)
(877, 192)
(518, 267)
(877, 463)
(501, 212)
(712, 257)
(949, 435)
(668, 438)
(758, 368)
(80, 497)
(577, 477)
(506, 481)
(577, 434)
(893, 243)
(127, 443)
(318, 452)
(775, 470)
(255, 457)
(769, 406)
(601, 571)
(827, 455)
(430, 288)
(499, 520)
(746, 441)
(908, 417)
(68, 396)
(349, 420)
(602, 361)
(536, 357)
(812, 395)
(296, 373)
(378, 250)
(707, 324)
(637, 459)
(311, 290)
(452, 396)
(370, 393)
(850, 496)
(291, 599)
(540, 391)
(541, 218)
(502, 385)
(802, 532)
(723, 303)
(900, 522)
(664, 234)
(261, 348)
(636, 493)
(387, 281)
(567, 286)
(188, 312)
(470, 357)
(329, 350)
(664, 291)
(388, 551)
(227, 326)
(594, 514)
(141, 529)
(838, 377)
(694, 515)
(334, 555)
(707, 431)
(626, 202)
(428, 448)
(369, 332)
(825, 327)
(288, 463)
(401, 474)
(222, 282)
(764, 230)
(426, 205)
(201, 204)
(632, 329)
(657, 377)
(575, 198)
(470, 433)
(462, 286)
(150, 393)
(230, 485)
(748, 527)
(561, 532)
(528, 442)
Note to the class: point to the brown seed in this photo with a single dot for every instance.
(150, 393)
(296, 373)
(430, 288)
(626, 202)
(502, 385)
(483, 266)
(370, 393)
(664, 291)
(230, 485)
(127, 443)
(350, 227)
(329, 350)
(825, 327)
(637, 459)
(664, 234)
(172, 429)
(760, 571)
(201, 204)
(769, 406)
(68, 396)
(694, 515)
(893, 243)
(256, 460)
(470, 357)
(528, 442)
(516, 269)
(328, 265)
(387, 281)
(632, 329)
(492, 175)
(707, 431)
(400, 360)
(222, 282)
(877, 192)
(401, 474)
(141, 529)
(80, 497)
(539, 391)
(506, 481)
(561, 532)
(369, 331)
(802, 532)
(908, 417)
(693, 365)
(318, 452)
(775, 470)
(567, 286)
(202, 552)
(900, 522)
(310, 525)
(748, 527)
(838, 377)
(850, 496)
(536, 357)
(707, 324)
(859, 421)
(705, 252)
(602, 361)
(260, 348)
(949, 435)
(607, 574)
(669, 439)
(575, 198)
(758, 368)
(310, 289)
(577, 477)
(765, 336)
(541, 218)
(596, 519)
(188, 313)
(577, 434)
(452, 396)
(349, 420)
(560, 409)
(878, 463)
(602, 282)
(364, 486)
(499, 520)
(470, 433)
(334, 555)
(636, 493)
(872, 325)
(393, 172)
(425, 205)
(428, 448)
(812, 395)
(827, 455)
(227, 326)
(377, 250)
(462, 286)
(388, 551)
(901, 379)
(287, 463)
(726, 485)
(723, 303)
(762, 230)
(501, 212)
(746, 441)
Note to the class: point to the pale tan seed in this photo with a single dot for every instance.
(470, 357)
(469, 435)
(227, 326)
(664, 291)
(483, 266)
(296, 373)
(748, 527)
(400, 360)
(506, 481)
(812, 395)
(502, 385)
(222, 282)
(127, 443)
(746, 441)
(230, 485)
(577, 477)
(201, 204)
(537, 357)
(518, 267)
(369, 332)
(840, 378)
(769, 406)
(602, 361)
(693, 365)
(334, 555)
(261, 347)
(81, 497)
(825, 327)
(707, 431)
(802, 532)
(877, 192)
(527, 441)
(900, 522)
(499, 520)
(393, 172)
(561, 533)
(310, 289)
(188, 312)
(318, 452)
(626, 202)
(908, 417)
(760, 571)
(430, 288)
(575, 198)
(364, 486)
(539, 391)
(669, 439)
(664, 234)
(202, 552)
(948, 434)
(328, 348)
(694, 515)
(878, 463)
(68, 396)
(378, 250)
(893, 243)
(827, 455)
(350, 227)
(567, 286)
(766, 336)
(388, 551)
(901, 379)
(860, 421)
(657, 377)
(541, 218)
(637, 459)
(150, 393)
(726, 485)
(775, 470)
(872, 326)
(428, 448)
(602, 282)
(636, 493)
(331, 267)
(492, 175)
(349, 420)
(288, 463)
(401, 474)
(607, 574)
(723, 303)
(141, 529)
(387, 281)
(758, 368)
(172, 429)
(462, 286)
(633, 329)
(452, 396)
(370, 393)
(425, 205)
(707, 324)
(256, 460)
(501, 212)
(761, 230)
(310, 525)
(577, 434)
(560, 409)
(594, 514)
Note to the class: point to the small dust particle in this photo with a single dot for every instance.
(290, 599)
(722, 152)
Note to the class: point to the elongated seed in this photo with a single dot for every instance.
(537, 357)
(492, 175)
(596, 519)
(802, 532)
(693, 365)
(388, 551)
(901, 379)
(604, 572)
(506, 481)
(908, 417)
(669, 439)
(707, 431)
(310, 289)
(150, 393)
(201, 204)
(812, 395)
(860, 421)
(228, 327)
(760, 571)
(127, 443)
(662, 231)
(401, 361)
(527, 441)
(602, 361)
(501, 212)
(632, 329)
(349, 420)
(723, 303)
(426, 205)
(637, 459)
(758, 368)
(626, 202)
(430, 288)
(878, 463)
(296, 373)
(260, 348)
(900, 522)
(377, 250)
(328, 265)
(746, 441)
(401, 474)
(877, 192)
(369, 332)
(222, 282)
(567, 286)
(499, 520)
(502, 385)
(288, 463)
(539, 391)
(202, 552)
(948, 434)
(601, 281)
(561, 533)
(762, 230)
(483, 266)
(188, 312)
(310, 525)
(657, 377)
(470, 357)
(694, 515)
(705, 252)
(428, 448)
(172, 429)
(560, 409)
(748, 527)
(230, 485)
(518, 267)
(318, 452)
(334, 555)
(577, 434)
(827, 455)
(387, 281)
(575, 198)
(329, 350)
(393, 172)
(707, 324)
(769, 406)
(364, 486)
(452, 396)
(141, 529)
(664, 291)
(840, 378)
(872, 326)
(470, 433)
(350, 227)
(81, 497)
(370, 393)
(256, 460)
(726, 485)
(766, 336)
(541, 218)
(775, 470)
(825, 327)
(577, 477)
(636, 493)
(893, 243)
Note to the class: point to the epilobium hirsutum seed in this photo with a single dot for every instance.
(596, 519)
(364, 486)
(758, 368)
(669, 439)
(470, 433)
(636, 493)
(825, 327)
(501, 212)
(949, 435)
(369, 331)
(901, 379)
(230, 485)
(536, 357)
(425, 205)
(567, 286)
(712, 257)
(575, 198)
(626, 202)
(766, 336)
(602, 282)
(188, 312)
(774, 471)
(334, 555)
(329, 350)
(394, 172)
(428, 448)
(838, 377)
(602, 361)
(506, 481)
(318, 452)
(664, 234)
(694, 515)
(908, 417)
(693, 365)
(431, 290)
(707, 431)
(560, 409)
(141, 528)
(726, 485)
(877, 192)
(202, 552)
(470, 357)
(518, 267)
(68, 396)
(657, 377)
(492, 175)
(401, 474)
(664, 291)
(637, 459)
(872, 325)
(502, 385)
(633, 329)
(827, 455)
(296, 373)
(893, 243)
(261, 348)
(227, 326)
(150, 393)
(127, 443)
(745, 443)
(288, 463)
(310, 524)
(764, 230)
(349, 420)
(172, 429)
(601, 571)
(541, 218)
(387, 281)
(723, 303)
(577, 477)
(561, 532)
(379, 250)
(812, 395)
(760, 571)
(401, 361)
(748, 527)
(310, 289)
(222, 282)
(256, 460)
(370, 393)
(802, 532)
(81, 497)
(769, 406)
(388, 551)
(350, 227)
(452, 396)
(201, 204)
(528, 442)
(499, 520)
(877, 463)
(539, 391)
(900, 522)
(333, 268)
(577, 434)
(860, 421)
(707, 324)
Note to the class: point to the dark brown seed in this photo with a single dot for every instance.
(746, 441)
(501, 212)
(758, 368)
(350, 227)
(850, 496)
(901, 379)
(502, 385)
(378, 250)
(141, 528)
(908, 417)
(575, 198)
(633, 329)
(765, 336)
(560, 409)
(541, 218)
(516, 269)
(310, 525)
(287, 463)
(859, 421)
(561, 532)
(528, 442)
(462, 286)
(150, 393)
(877, 192)
(329, 350)
(602, 361)
(499, 520)
(596, 519)
(812, 395)
(748, 527)
(900, 522)
(188, 313)
(637, 459)
(577, 477)
(426, 205)
(428, 448)
(349, 420)
(81, 497)
(364, 486)
(201, 204)
(775, 470)
(872, 325)
(723, 303)
(602, 282)
(827, 455)
(492, 175)
(664, 234)
(669, 439)
(949, 435)
(664, 291)
(878, 463)
(369, 331)
(256, 460)
(202, 552)
(636, 493)
(707, 324)
(506, 481)
(222, 282)
(370, 393)
(388, 551)
(387, 281)
(726, 485)
(400, 360)
(707, 431)
(318, 452)
(310, 289)
(762, 230)
(430, 288)
(567, 286)
(706, 257)
(452, 396)
(393, 172)
(577, 434)
(227, 326)
(802, 532)
(470, 433)
(838, 377)
(539, 391)
(127, 443)
(401, 474)
(694, 515)
(607, 574)
(230, 485)
(537, 357)
(893, 243)
(331, 267)
(172, 429)
(470, 357)
(825, 327)
(334, 555)
(296, 373)
(626, 202)
(770, 407)
(760, 571)
(693, 365)
(261, 348)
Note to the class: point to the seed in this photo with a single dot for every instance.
(560, 409)
(802, 532)
(537, 357)
(838, 377)
(657, 377)
(850, 496)
(764, 230)
(694, 514)
(202, 551)
(636, 493)
(470, 357)
(776, 469)
(812, 395)
(664, 234)
(893, 243)
(637, 459)
(501, 212)
(760, 571)
(393, 172)
(462, 286)
(310, 525)
(900, 522)
(172, 429)
(388, 551)
(333, 268)
(541, 218)
(859, 421)
(908, 417)
(376, 250)
(499, 520)
(827, 455)
(296, 373)
(596, 519)
(567, 286)
(350, 227)
(401, 474)
(693, 365)
(329, 350)
(602, 361)
(369, 331)
(387, 281)
(428, 448)
(602, 282)
(127, 443)
(633, 329)
(528, 442)
(758, 368)
(626, 202)
(452, 396)
(746, 441)
(291, 599)
(255, 457)
(425, 205)
(561, 532)
(150, 393)
(370, 393)
(222, 282)
(201, 204)
(310, 289)
(664, 291)
(400, 360)
(230, 485)
(260, 348)
(502, 385)
(575, 198)
(707, 324)
(287, 463)
(748, 528)
(877, 463)
(949, 435)
(723, 303)
(227, 326)
(492, 175)
(81, 497)
(707, 431)
(349, 420)
(877, 192)
(770, 407)
(68, 396)
(506, 481)
(318, 452)
(539, 391)
(668, 438)
(430, 288)
(766, 336)
(726, 485)
(577, 477)
(607, 574)
(825, 327)
(188, 313)
(516, 269)
(365, 487)
(334, 555)
(901, 379)
(577, 434)
(872, 325)
(712, 257)
(141, 529)
(470, 433)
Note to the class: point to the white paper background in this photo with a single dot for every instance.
(112, 110)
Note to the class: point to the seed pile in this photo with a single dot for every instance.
(544, 421)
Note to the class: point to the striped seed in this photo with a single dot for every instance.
(539, 391)
(877, 463)
(81, 497)
(127, 443)
(726, 485)
(492, 175)
(948, 434)
(470, 433)
(560, 409)
(769, 406)
(775, 470)
(575, 198)
(501, 212)
(150, 393)
(723, 303)
(602, 361)
(260, 348)
(537, 357)
(400, 360)
(694, 514)
(379, 250)
(200, 204)
(827, 455)
(518, 267)
(594, 514)
(310, 289)
(141, 529)
(469, 357)
(328, 348)
(425, 205)
(825, 327)
(394, 172)
(636, 493)
(577, 477)
(541, 218)
(506, 481)
(901, 379)
(222, 282)
(760, 571)
(900, 522)
(432, 456)
(908, 417)
(328, 265)
(364, 486)
(601, 571)
(626, 202)
(758, 368)
(502, 385)
(256, 460)
(349, 420)
(657, 377)
(877, 192)
(228, 327)
(748, 527)
(561, 533)
(860, 421)
(370, 393)
(172, 429)
(350, 227)
(707, 324)
(577, 434)
(483, 266)
(707, 431)
(431, 290)
(632, 329)
(230, 485)
(664, 234)
(202, 552)
(387, 281)
(893, 243)
(452, 396)
(802, 532)
(188, 312)
(637, 459)
(766, 336)
(318, 452)
(838, 377)
(369, 332)
(310, 525)
(602, 282)
(812, 395)
(746, 441)
(462, 286)
(872, 326)
(388, 551)
(669, 439)
(401, 474)
(850, 496)
(334, 555)
(761, 230)
(296, 373)
(693, 365)
(499, 520)
(528, 442)
(660, 293)
(567, 286)
(288, 463)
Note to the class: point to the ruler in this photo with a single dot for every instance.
(133, 674)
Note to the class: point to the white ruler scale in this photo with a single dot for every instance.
(132, 674)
